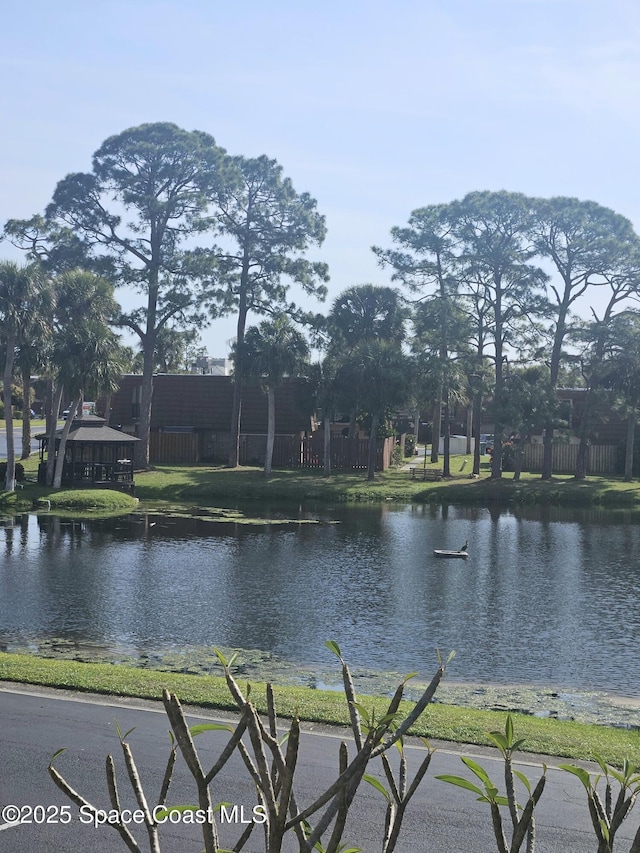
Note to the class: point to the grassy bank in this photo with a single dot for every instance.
(206, 485)
(441, 722)
(213, 485)
(79, 502)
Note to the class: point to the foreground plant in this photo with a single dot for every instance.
(271, 761)
(607, 817)
(522, 817)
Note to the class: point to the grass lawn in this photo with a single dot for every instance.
(210, 485)
(438, 722)
(204, 484)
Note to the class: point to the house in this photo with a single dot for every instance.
(191, 416)
(191, 420)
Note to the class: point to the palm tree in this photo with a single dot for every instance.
(362, 314)
(25, 302)
(379, 376)
(92, 361)
(85, 353)
(271, 351)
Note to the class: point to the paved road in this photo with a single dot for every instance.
(34, 724)
(17, 440)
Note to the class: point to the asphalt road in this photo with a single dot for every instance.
(441, 819)
(17, 440)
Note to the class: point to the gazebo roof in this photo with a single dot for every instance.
(94, 430)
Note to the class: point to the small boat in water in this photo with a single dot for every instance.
(462, 553)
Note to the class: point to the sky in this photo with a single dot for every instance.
(374, 108)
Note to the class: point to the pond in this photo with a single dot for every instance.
(547, 597)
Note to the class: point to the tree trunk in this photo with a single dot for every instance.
(10, 476)
(52, 420)
(373, 443)
(496, 456)
(477, 425)
(271, 430)
(238, 367)
(446, 443)
(351, 439)
(327, 445)
(547, 452)
(435, 429)
(26, 412)
(582, 459)
(517, 459)
(107, 409)
(146, 394)
(236, 406)
(57, 477)
(628, 454)
(469, 427)
(583, 449)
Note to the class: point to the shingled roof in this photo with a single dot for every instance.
(91, 428)
(203, 402)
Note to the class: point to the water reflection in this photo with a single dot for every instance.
(548, 595)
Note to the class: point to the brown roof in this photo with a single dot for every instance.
(204, 402)
(90, 428)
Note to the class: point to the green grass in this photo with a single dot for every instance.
(439, 721)
(214, 485)
(205, 484)
(80, 502)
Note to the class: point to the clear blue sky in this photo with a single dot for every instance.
(375, 108)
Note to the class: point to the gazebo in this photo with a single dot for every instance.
(96, 456)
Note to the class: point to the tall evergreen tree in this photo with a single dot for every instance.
(586, 243)
(267, 227)
(146, 197)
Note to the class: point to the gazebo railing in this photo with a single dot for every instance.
(98, 472)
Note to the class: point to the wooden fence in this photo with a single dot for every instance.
(174, 447)
(601, 458)
(289, 451)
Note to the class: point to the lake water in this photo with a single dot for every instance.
(546, 597)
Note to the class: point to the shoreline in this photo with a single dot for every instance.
(542, 701)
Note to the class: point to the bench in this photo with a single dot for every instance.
(425, 473)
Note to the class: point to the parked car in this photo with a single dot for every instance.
(486, 443)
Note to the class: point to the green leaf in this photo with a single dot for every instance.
(220, 656)
(121, 737)
(461, 782)
(500, 741)
(57, 753)
(375, 783)
(452, 654)
(524, 780)
(334, 647)
(409, 677)
(508, 729)
(582, 775)
(366, 717)
(210, 727)
(479, 771)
